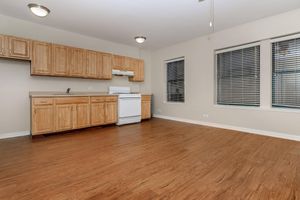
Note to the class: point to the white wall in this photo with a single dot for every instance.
(200, 82)
(16, 82)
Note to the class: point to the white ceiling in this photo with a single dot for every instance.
(163, 22)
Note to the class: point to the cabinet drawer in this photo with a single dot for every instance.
(146, 97)
(72, 100)
(42, 101)
(111, 98)
(97, 99)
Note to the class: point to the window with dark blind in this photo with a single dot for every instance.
(238, 77)
(286, 73)
(175, 81)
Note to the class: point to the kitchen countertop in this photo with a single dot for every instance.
(72, 94)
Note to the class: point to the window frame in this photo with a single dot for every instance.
(273, 41)
(230, 49)
(181, 58)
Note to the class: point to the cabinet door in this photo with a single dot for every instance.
(76, 62)
(141, 69)
(131, 64)
(138, 71)
(63, 117)
(42, 119)
(83, 115)
(41, 58)
(60, 60)
(106, 72)
(97, 114)
(146, 109)
(110, 112)
(118, 62)
(19, 48)
(93, 64)
(2, 45)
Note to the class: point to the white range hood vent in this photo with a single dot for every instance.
(117, 72)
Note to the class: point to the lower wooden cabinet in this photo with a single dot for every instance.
(103, 110)
(82, 115)
(146, 107)
(42, 119)
(97, 113)
(54, 114)
(111, 112)
(63, 117)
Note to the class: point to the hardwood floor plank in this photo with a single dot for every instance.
(157, 159)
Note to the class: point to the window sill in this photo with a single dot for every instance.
(268, 109)
(173, 103)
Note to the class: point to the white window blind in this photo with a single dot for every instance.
(175, 81)
(286, 73)
(238, 77)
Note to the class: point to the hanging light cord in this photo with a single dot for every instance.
(212, 15)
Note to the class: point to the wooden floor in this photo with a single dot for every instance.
(157, 159)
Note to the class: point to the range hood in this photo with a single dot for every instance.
(117, 72)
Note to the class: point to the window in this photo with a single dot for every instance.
(286, 73)
(238, 77)
(175, 80)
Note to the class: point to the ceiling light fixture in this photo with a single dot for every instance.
(38, 10)
(140, 39)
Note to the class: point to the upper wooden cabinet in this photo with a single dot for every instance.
(49, 59)
(19, 48)
(138, 70)
(106, 66)
(93, 64)
(15, 47)
(60, 60)
(131, 63)
(41, 62)
(2, 46)
(99, 65)
(77, 62)
(119, 62)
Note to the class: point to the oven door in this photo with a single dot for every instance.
(129, 106)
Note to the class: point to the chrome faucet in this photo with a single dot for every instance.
(68, 91)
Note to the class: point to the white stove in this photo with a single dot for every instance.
(129, 105)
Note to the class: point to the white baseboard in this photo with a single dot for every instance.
(236, 128)
(14, 134)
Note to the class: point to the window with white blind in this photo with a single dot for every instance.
(286, 73)
(175, 80)
(238, 77)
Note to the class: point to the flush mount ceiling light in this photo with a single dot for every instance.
(38, 10)
(140, 39)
